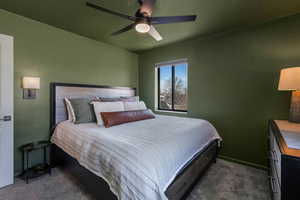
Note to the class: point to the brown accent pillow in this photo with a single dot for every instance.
(116, 118)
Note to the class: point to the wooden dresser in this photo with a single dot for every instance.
(284, 161)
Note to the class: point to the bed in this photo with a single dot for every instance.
(134, 160)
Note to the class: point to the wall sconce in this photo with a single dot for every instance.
(30, 86)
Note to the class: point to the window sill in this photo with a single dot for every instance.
(170, 111)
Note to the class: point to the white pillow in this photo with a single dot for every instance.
(139, 105)
(70, 110)
(106, 107)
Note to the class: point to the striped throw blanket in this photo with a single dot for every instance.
(140, 159)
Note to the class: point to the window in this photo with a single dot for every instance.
(172, 86)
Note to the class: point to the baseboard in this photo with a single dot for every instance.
(263, 167)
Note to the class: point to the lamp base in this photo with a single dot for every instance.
(295, 107)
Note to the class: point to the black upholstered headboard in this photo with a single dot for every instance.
(61, 90)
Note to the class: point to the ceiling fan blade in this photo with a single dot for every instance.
(155, 34)
(109, 11)
(147, 7)
(127, 28)
(173, 19)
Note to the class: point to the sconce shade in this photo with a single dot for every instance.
(31, 82)
(289, 79)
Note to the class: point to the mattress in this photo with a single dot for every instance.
(140, 159)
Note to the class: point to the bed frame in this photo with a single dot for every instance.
(96, 186)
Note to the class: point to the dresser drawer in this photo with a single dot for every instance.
(275, 188)
(275, 157)
(284, 168)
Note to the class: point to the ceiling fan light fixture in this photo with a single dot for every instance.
(142, 27)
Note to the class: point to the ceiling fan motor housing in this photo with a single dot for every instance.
(140, 14)
(144, 20)
(141, 2)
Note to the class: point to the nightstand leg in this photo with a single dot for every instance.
(45, 156)
(46, 160)
(23, 164)
(27, 166)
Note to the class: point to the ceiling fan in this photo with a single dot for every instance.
(143, 21)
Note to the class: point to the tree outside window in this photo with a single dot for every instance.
(172, 87)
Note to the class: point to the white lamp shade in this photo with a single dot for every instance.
(289, 79)
(31, 82)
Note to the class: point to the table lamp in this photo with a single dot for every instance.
(290, 81)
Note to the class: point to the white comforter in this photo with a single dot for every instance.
(140, 159)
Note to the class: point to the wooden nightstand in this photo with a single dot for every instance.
(39, 169)
(284, 159)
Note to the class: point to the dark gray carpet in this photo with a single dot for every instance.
(223, 181)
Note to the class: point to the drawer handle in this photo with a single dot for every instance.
(275, 156)
(273, 184)
(271, 157)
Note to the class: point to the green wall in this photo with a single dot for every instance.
(233, 81)
(232, 77)
(58, 56)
